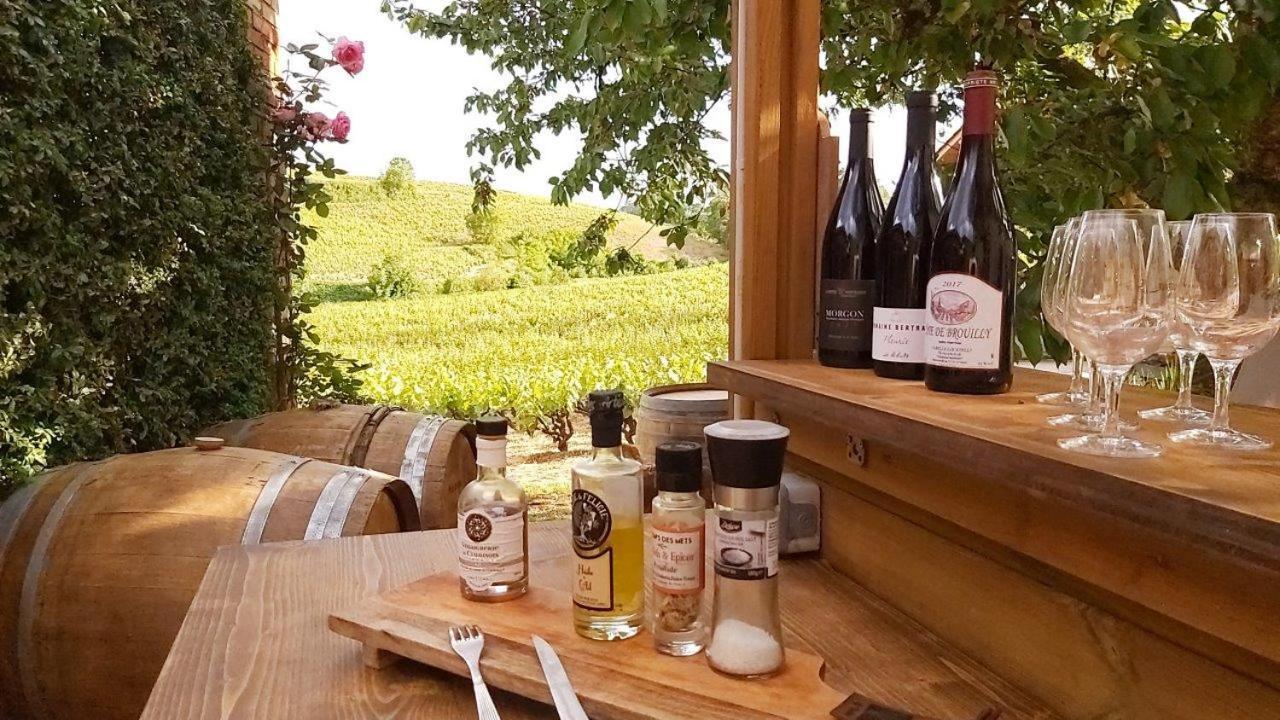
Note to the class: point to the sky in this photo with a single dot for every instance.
(408, 102)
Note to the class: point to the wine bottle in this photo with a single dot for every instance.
(972, 266)
(493, 530)
(848, 257)
(902, 249)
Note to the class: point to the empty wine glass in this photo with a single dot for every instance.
(1228, 297)
(1117, 309)
(1183, 411)
(1050, 305)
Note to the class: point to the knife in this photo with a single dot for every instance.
(567, 705)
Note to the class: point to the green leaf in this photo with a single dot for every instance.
(1181, 195)
(1220, 64)
(1130, 141)
(1028, 332)
(1076, 31)
(579, 36)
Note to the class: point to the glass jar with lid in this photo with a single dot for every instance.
(746, 465)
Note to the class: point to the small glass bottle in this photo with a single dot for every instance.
(746, 464)
(493, 531)
(608, 534)
(677, 557)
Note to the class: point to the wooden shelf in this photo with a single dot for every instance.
(1229, 502)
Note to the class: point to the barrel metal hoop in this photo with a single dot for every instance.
(360, 451)
(414, 467)
(336, 497)
(30, 589)
(257, 523)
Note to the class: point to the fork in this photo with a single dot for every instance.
(468, 642)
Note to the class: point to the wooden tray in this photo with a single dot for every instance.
(624, 680)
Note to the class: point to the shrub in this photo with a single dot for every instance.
(391, 278)
(482, 226)
(136, 271)
(398, 177)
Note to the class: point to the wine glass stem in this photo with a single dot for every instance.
(1223, 372)
(1186, 369)
(1077, 374)
(1112, 381)
(1096, 389)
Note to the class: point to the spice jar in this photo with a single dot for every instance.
(746, 465)
(677, 559)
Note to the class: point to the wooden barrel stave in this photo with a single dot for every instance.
(677, 412)
(435, 456)
(105, 566)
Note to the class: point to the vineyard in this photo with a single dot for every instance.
(529, 352)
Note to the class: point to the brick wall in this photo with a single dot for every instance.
(263, 36)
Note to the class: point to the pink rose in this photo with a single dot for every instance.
(349, 54)
(286, 114)
(340, 127)
(317, 125)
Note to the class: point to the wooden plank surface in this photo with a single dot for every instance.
(1227, 502)
(255, 644)
(615, 681)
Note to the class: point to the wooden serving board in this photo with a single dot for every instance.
(624, 680)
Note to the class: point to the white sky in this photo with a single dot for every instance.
(409, 101)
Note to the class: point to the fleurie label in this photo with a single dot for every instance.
(593, 571)
(898, 335)
(677, 560)
(963, 323)
(746, 549)
(844, 315)
(490, 549)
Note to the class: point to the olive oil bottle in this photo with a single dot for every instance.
(608, 534)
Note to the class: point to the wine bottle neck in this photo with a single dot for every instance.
(980, 105)
(921, 129)
(859, 136)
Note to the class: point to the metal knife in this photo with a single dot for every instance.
(567, 705)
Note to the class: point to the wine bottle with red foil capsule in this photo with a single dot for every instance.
(847, 284)
(972, 264)
(902, 249)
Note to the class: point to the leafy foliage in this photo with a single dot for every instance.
(135, 271)
(391, 278)
(636, 78)
(398, 177)
(1106, 104)
(533, 353)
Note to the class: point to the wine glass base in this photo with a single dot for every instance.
(1066, 399)
(1225, 439)
(1117, 447)
(1175, 414)
(1086, 421)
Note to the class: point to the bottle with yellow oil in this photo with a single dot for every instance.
(608, 534)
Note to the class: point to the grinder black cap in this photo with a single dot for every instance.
(605, 408)
(747, 453)
(491, 426)
(678, 466)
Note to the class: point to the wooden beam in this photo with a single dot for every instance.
(774, 177)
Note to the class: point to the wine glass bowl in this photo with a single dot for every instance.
(1051, 308)
(1228, 300)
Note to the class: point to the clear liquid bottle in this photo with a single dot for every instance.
(677, 556)
(493, 529)
(608, 534)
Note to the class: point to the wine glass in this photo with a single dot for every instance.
(1228, 297)
(1117, 310)
(1183, 411)
(1149, 221)
(1050, 305)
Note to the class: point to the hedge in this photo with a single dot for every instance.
(135, 257)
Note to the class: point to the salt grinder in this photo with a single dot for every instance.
(746, 464)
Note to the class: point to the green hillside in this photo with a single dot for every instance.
(427, 229)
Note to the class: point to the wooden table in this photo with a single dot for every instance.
(255, 645)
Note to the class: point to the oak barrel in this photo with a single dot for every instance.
(678, 412)
(435, 456)
(100, 561)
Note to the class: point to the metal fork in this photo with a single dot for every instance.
(468, 642)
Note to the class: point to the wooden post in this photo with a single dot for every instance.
(775, 177)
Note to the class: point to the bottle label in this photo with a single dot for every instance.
(593, 572)
(844, 314)
(898, 335)
(490, 548)
(746, 549)
(963, 323)
(677, 560)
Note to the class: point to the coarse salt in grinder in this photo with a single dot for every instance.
(746, 465)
